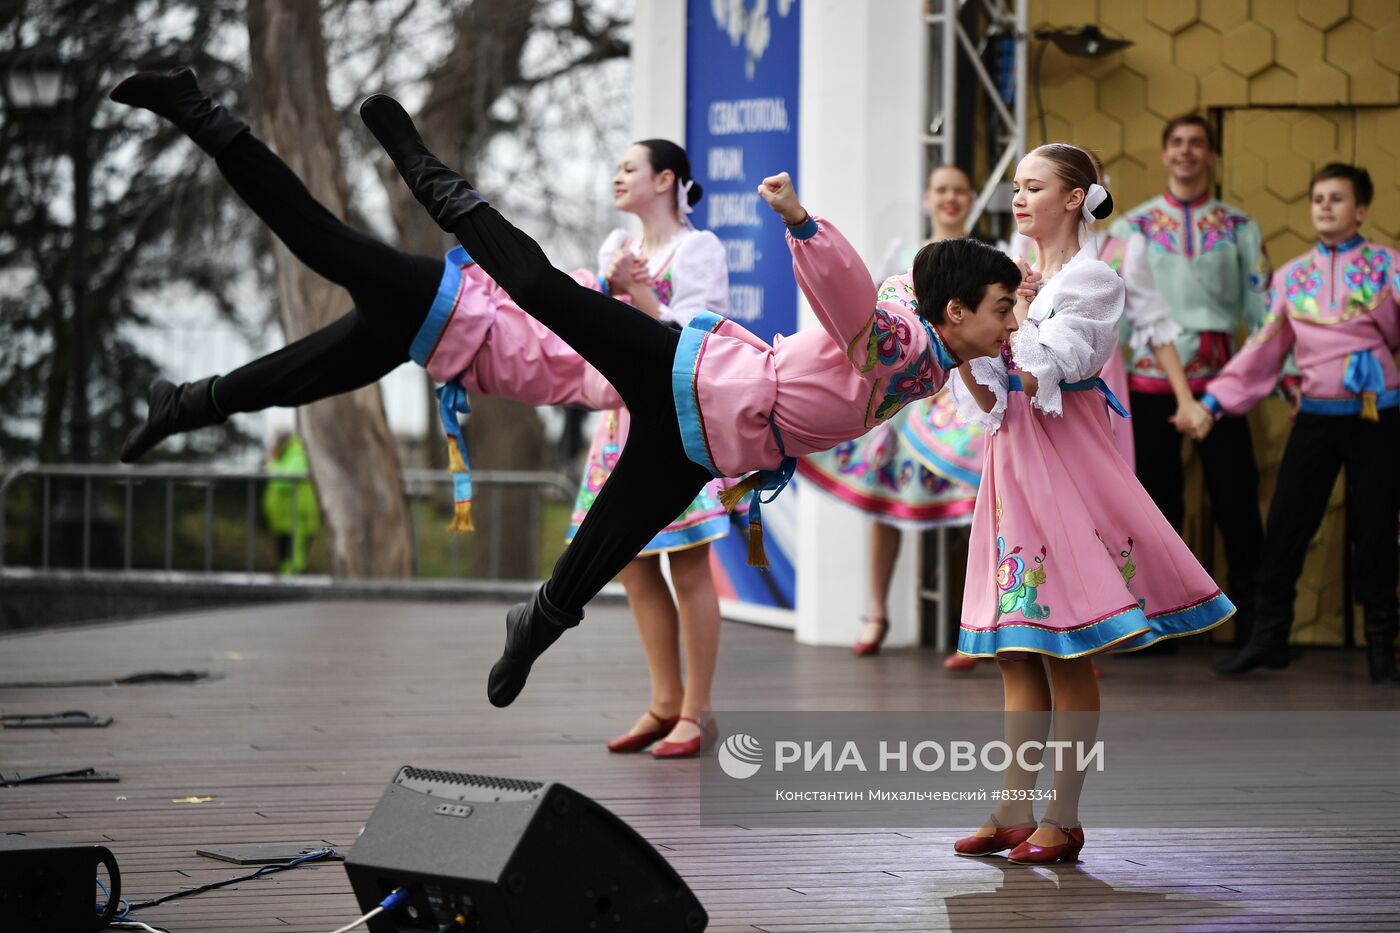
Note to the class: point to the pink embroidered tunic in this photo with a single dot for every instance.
(745, 405)
(1068, 554)
(1335, 309)
(476, 335)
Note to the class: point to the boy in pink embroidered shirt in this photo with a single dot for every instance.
(735, 403)
(1335, 308)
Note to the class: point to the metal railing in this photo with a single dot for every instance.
(417, 485)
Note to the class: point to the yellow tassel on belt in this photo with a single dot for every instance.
(1368, 407)
(729, 498)
(461, 511)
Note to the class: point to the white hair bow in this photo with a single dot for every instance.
(1095, 196)
(683, 208)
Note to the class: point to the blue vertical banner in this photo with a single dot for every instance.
(742, 80)
(742, 84)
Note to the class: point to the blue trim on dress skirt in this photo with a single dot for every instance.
(684, 375)
(938, 464)
(1129, 630)
(441, 311)
(678, 539)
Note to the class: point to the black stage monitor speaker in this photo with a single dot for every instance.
(52, 886)
(499, 855)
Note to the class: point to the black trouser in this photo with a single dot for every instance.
(1232, 482)
(391, 290)
(1319, 446)
(654, 480)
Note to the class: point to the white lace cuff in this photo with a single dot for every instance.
(1157, 334)
(1032, 357)
(992, 374)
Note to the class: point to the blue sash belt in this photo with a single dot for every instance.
(1013, 382)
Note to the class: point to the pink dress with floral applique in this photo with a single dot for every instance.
(1069, 556)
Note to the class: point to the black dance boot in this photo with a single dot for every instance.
(1380, 644)
(1380, 659)
(173, 409)
(448, 196)
(531, 628)
(175, 95)
(1262, 650)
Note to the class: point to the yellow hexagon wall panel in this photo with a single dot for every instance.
(1221, 87)
(1171, 16)
(1099, 132)
(1123, 94)
(1171, 91)
(1224, 14)
(1274, 86)
(1375, 13)
(1287, 173)
(1197, 48)
(1250, 48)
(1324, 14)
(1297, 44)
(1385, 44)
(1319, 83)
(1314, 137)
(1070, 13)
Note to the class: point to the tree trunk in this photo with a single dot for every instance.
(354, 463)
(501, 434)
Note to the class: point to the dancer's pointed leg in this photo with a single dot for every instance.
(176, 96)
(447, 196)
(173, 409)
(531, 627)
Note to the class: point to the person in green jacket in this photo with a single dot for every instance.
(289, 505)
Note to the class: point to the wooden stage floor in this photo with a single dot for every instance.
(321, 703)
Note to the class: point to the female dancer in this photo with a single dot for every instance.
(671, 272)
(714, 400)
(446, 315)
(886, 474)
(1335, 308)
(1069, 557)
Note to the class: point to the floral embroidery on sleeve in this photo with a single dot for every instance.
(913, 382)
(889, 335)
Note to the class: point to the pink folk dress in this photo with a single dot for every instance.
(689, 276)
(1069, 556)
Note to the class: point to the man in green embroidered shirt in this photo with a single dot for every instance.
(1208, 261)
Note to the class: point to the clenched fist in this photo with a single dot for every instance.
(777, 190)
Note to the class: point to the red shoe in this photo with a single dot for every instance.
(690, 748)
(1005, 837)
(862, 648)
(1028, 853)
(635, 743)
(960, 663)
